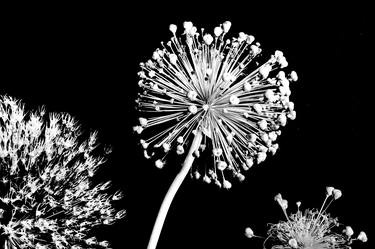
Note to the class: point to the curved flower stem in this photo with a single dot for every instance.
(186, 166)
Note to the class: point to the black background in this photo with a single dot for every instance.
(84, 60)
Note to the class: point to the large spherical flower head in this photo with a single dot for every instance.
(203, 82)
(47, 198)
(313, 229)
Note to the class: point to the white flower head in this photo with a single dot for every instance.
(216, 86)
(47, 196)
(312, 228)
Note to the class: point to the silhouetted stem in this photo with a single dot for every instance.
(186, 166)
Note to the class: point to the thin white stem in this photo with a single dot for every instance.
(186, 166)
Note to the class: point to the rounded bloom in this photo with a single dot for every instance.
(221, 87)
(313, 229)
(47, 198)
(249, 232)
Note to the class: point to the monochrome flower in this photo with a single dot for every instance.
(217, 86)
(311, 229)
(47, 195)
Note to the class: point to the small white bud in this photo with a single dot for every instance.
(261, 156)
(242, 37)
(173, 28)
(208, 39)
(258, 108)
(180, 150)
(247, 87)
(221, 165)
(265, 137)
(218, 31)
(173, 58)
(156, 55)
(253, 138)
(249, 233)
(362, 236)
(278, 54)
(284, 204)
(337, 193)
(240, 177)
(298, 203)
(192, 95)
(188, 26)
(281, 75)
(278, 197)
(293, 243)
(282, 119)
(272, 135)
(290, 106)
(234, 100)
(227, 77)
(142, 122)
(217, 152)
(348, 231)
(283, 62)
(226, 26)
(262, 124)
(293, 76)
(159, 164)
(144, 144)
(145, 154)
(329, 190)
(249, 162)
(227, 184)
(269, 94)
(138, 129)
(166, 147)
(206, 179)
(274, 149)
(255, 49)
(250, 39)
(193, 109)
(180, 140)
(197, 175)
(292, 115)
(265, 70)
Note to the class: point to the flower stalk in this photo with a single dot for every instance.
(186, 166)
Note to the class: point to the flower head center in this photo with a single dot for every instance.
(206, 107)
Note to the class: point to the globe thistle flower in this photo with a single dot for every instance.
(204, 92)
(312, 229)
(214, 86)
(47, 197)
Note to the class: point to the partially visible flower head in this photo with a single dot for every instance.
(47, 198)
(213, 84)
(311, 229)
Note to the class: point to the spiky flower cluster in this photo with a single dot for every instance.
(311, 229)
(207, 83)
(47, 198)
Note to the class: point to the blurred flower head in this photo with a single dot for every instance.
(311, 229)
(47, 196)
(216, 85)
